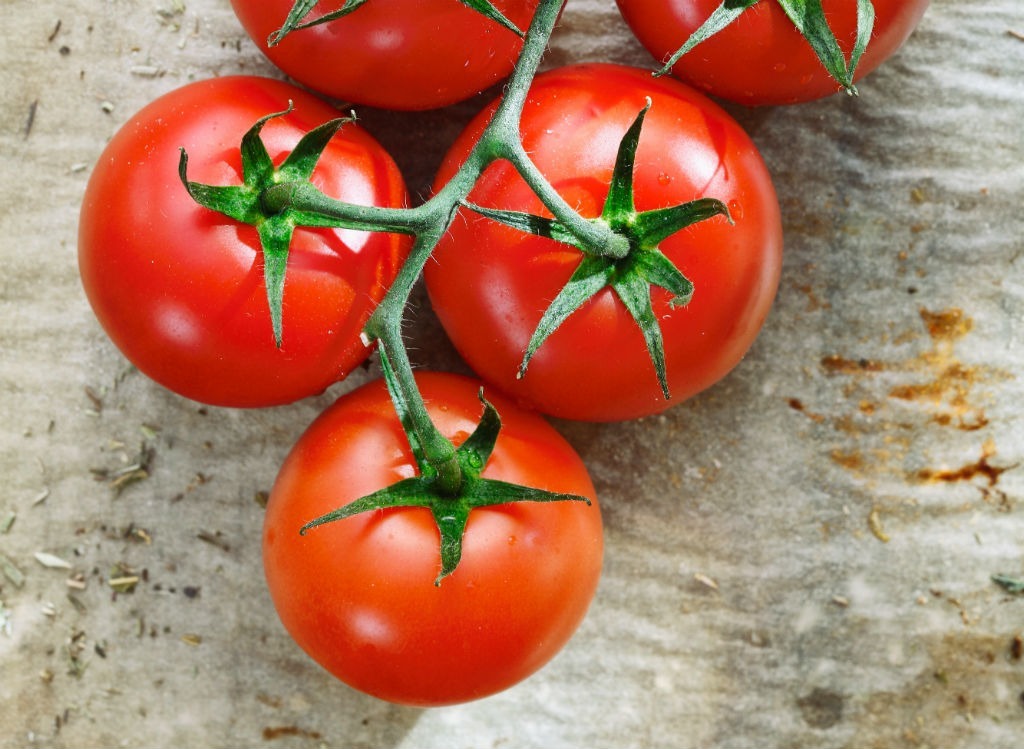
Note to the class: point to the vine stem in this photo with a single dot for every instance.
(429, 221)
(385, 324)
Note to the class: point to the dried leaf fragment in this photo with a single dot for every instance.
(214, 539)
(705, 580)
(137, 469)
(123, 578)
(875, 524)
(11, 571)
(52, 561)
(1009, 584)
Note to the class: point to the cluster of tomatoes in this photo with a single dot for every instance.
(182, 291)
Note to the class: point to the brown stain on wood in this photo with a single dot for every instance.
(840, 365)
(981, 467)
(890, 405)
(940, 393)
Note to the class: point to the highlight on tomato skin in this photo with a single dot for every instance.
(761, 59)
(180, 289)
(490, 284)
(358, 595)
(400, 54)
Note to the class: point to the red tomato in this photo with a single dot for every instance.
(179, 288)
(401, 54)
(490, 284)
(761, 58)
(358, 594)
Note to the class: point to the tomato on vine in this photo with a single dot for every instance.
(597, 338)
(194, 298)
(374, 589)
(399, 54)
(764, 52)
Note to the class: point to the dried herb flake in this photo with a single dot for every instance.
(52, 561)
(1009, 584)
(875, 524)
(11, 572)
(123, 578)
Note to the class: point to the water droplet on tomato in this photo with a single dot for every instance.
(664, 179)
(779, 67)
(511, 540)
(735, 210)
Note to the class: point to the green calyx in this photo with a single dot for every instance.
(631, 276)
(449, 502)
(253, 202)
(299, 16)
(809, 18)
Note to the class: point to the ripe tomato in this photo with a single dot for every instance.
(358, 594)
(761, 58)
(490, 284)
(401, 54)
(179, 288)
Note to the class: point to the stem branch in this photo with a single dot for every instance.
(303, 196)
(429, 221)
(500, 138)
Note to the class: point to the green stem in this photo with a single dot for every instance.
(429, 221)
(303, 196)
(436, 215)
(595, 237)
(502, 139)
(438, 451)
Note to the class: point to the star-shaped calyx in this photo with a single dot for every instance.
(247, 202)
(450, 506)
(632, 276)
(809, 18)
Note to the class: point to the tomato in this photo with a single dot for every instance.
(761, 58)
(358, 594)
(489, 284)
(400, 54)
(179, 288)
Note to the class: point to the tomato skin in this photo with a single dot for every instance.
(358, 594)
(179, 288)
(761, 59)
(490, 284)
(402, 54)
